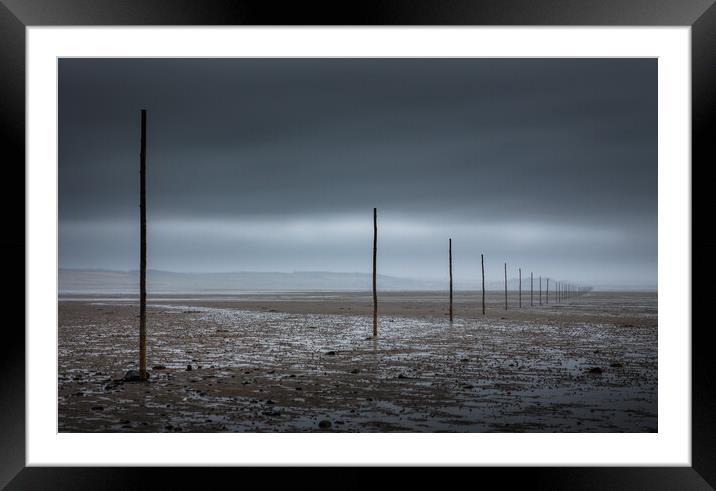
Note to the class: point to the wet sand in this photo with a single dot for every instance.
(294, 362)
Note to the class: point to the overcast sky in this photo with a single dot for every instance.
(276, 165)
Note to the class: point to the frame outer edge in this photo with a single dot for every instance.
(12, 91)
(366, 12)
(703, 104)
(12, 244)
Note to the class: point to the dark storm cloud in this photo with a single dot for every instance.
(273, 152)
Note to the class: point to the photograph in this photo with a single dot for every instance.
(357, 245)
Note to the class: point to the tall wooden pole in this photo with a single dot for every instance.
(505, 286)
(450, 258)
(520, 275)
(482, 261)
(375, 258)
(143, 250)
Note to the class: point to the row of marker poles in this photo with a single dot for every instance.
(561, 291)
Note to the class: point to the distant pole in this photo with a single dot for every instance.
(559, 287)
(450, 256)
(482, 261)
(375, 258)
(520, 275)
(143, 249)
(532, 289)
(540, 290)
(505, 286)
(547, 297)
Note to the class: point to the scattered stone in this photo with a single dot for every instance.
(324, 424)
(464, 359)
(188, 368)
(159, 367)
(355, 370)
(595, 371)
(97, 408)
(299, 388)
(269, 401)
(467, 386)
(133, 376)
(330, 353)
(616, 364)
(401, 376)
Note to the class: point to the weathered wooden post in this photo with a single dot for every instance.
(482, 261)
(450, 259)
(143, 249)
(375, 258)
(505, 286)
(520, 285)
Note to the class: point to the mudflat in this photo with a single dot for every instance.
(295, 362)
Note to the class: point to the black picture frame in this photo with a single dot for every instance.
(16, 15)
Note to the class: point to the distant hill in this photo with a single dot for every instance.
(85, 281)
(102, 281)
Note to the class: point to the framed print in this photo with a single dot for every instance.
(421, 235)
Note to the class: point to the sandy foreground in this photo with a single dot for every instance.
(295, 362)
